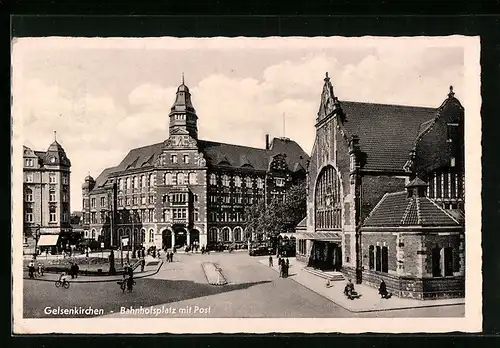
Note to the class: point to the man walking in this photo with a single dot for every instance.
(270, 261)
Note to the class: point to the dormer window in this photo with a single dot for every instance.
(174, 158)
(213, 179)
(52, 178)
(225, 180)
(186, 159)
(28, 162)
(280, 182)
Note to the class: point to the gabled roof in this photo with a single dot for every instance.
(101, 180)
(387, 133)
(398, 210)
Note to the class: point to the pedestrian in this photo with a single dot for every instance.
(382, 290)
(130, 271)
(72, 270)
(130, 283)
(270, 261)
(143, 263)
(31, 269)
(287, 267)
(280, 265)
(77, 269)
(171, 257)
(41, 269)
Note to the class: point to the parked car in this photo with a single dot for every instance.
(260, 251)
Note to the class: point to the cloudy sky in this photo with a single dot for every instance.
(106, 96)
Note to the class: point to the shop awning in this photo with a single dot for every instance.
(324, 236)
(48, 239)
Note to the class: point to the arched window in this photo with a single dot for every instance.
(225, 234)
(237, 181)
(212, 235)
(225, 180)
(120, 184)
(168, 178)
(128, 183)
(143, 181)
(327, 199)
(151, 236)
(237, 234)
(151, 180)
(248, 181)
(213, 179)
(192, 178)
(260, 183)
(136, 182)
(180, 178)
(93, 234)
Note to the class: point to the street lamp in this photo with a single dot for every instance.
(37, 236)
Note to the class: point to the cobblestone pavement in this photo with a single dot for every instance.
(180, 289)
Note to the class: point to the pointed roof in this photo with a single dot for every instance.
(183, 99)
(399, 210)
(417, 182)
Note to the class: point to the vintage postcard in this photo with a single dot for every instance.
(206, 185)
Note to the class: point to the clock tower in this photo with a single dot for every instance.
(183, 118)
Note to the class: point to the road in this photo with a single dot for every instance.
(254, 291)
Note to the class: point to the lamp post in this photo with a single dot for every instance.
(37, 236)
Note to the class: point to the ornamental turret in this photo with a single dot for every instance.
(182, 114)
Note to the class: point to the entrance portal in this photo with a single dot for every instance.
(180, 238)
(194, 236)
(325, 256)
(167, 239)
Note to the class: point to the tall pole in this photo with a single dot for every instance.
(132, 239)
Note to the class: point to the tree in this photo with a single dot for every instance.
(278, 216)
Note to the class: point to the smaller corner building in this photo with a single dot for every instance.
(46, 200)
(385, 196)
(185, 190)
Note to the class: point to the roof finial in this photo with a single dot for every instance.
(451, 94)
(326, 77)
(183, 77)
(55, 136)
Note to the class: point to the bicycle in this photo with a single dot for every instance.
(122, 284)
(64, 284)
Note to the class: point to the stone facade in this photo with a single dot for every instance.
(187, 190)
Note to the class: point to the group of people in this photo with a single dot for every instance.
(170, 256)
(284, 266)
(73, 270)
(33, 271)
(128, 277)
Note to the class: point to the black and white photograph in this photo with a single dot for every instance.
(196, 185)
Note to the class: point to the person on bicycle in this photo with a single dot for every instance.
(63, 277)
(130, 283)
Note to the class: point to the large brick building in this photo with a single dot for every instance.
(386, 195)
(187, 190)
(46, 198)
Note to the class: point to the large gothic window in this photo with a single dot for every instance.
(327, 199)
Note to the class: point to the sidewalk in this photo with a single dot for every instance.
(151, 268)
(369, 301)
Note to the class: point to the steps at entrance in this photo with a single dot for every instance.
(332, 275)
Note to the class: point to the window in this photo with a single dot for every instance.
(151, 180)
(371, 257)
(385, 259)
(120, 184)
(136, 182)
(192, 179)
(65, 179)
(52, 214)
(442, 262)
(151, 199)
(280, 182)
(237, 181)
(196, 214)
(135, 200)
(225, 180)
(151, 215)
(225, 234)
(212, 234)
(180, 178)
(120, 202)
(29, 195)
(128, 183)
(213, 179)
(237, 234)
(93, 234)
(452, 131)
(174, 158)
(29, 214)
(52, 178)
(186, 159)
(195, 197)
(143, 181)
(143, 200)
(151, 236)
(248, 181)
(327, 198)
(65, 197)
(92, 202)
(52, 196)
(103, 202)
(260, 183)
(29, 177)
(168, 178)
(128, 201)
(28, 162)
(378, 259)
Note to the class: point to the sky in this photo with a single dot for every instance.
(107, 96)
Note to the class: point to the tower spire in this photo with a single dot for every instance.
(55, 136)
(183, 77)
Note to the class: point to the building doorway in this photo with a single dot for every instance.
(194, 236)
(325, 256)
(166, 239)
(180, 237)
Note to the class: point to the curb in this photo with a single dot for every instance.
(102, 281)
(222, 280)
(369, 310)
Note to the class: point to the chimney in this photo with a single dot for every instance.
(267, 142)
